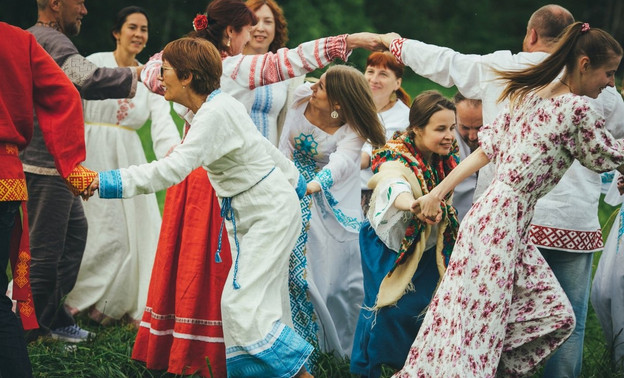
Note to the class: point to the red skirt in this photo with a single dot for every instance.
(181, 327)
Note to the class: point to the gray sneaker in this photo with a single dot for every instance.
(72, 334)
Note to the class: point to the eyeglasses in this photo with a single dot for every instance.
(163, 69)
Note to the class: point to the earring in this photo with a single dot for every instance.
(334, 114)
(228, 42)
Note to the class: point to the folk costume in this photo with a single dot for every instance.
(254, 183)
(32, 81)
(402, 257)
(565, 225)
(178, 331)
(499, 308)
(325, 273)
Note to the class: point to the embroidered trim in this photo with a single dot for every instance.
(567, 240)
(40, 170)
(79, 69)
(110, 184)
(20, 275)
(281, 353)
(13, 190)
(396, 48)
(205, 322)
(9, 149)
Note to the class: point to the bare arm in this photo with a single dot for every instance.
(430, 203)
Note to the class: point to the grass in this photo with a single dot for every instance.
(108, 355)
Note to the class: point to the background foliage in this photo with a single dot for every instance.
(477, 26)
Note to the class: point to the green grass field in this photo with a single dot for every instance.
(108, 355)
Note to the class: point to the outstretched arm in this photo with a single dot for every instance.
(430, 203)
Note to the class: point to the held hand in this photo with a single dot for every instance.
(415, 209)
(313, 187)
(387, 38)
(365, 40)
(90, 191)
(429, 207)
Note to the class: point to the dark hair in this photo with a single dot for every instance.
(122, 17)
(458, 98)
(387, 60)
(549, 22)
(281, 26)
(221, 14)
(347, 87)
(197, 57)
(424, 106)
(598, 45)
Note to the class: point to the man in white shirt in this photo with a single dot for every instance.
(469, 115)
(565, 224)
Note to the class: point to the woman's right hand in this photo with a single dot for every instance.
(427, 209)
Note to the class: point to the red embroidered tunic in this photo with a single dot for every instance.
(32, 80)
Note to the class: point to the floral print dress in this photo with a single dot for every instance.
(499, 306)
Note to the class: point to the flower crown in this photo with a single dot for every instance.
(200, 22)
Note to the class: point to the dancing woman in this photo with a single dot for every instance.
(499, 308)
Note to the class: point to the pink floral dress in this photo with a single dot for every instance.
(499, 307)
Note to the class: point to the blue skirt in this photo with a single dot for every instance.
(385, 338)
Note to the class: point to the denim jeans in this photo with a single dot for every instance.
(14, 360)
(58, 235)
(573, 271)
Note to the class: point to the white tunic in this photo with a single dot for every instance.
(117, 263)
(573, 204)
(245, 167)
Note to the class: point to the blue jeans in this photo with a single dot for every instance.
(573, 271)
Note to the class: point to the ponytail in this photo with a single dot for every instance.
(575, 41)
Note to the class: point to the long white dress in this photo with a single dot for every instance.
(121, 243)
(254, 183)
(607, 292)
(329, 238)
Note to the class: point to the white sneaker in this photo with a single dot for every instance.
(72, 334)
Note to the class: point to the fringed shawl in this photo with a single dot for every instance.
(399, 158)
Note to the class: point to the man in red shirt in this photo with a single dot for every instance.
(30, 80)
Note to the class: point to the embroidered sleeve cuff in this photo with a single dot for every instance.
(324, 178)
(336, 47)
(110, 184)
(396, 48)
(79, 179)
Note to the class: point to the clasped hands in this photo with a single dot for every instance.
(427, 209)
(370, 41)
(90, 190)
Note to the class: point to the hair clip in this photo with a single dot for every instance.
(584, 27)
